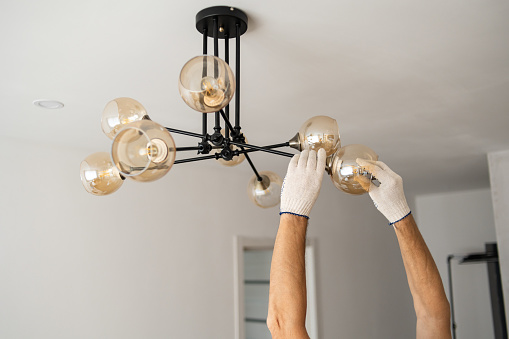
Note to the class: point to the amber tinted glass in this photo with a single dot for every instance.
(143, 151)
(346, 174)
(206, 83)
(118, 113)
(98, 174)
(320, 132)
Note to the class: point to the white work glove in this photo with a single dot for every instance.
(389, 197)
(302, 183)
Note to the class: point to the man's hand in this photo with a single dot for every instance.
(389, 197)
(302, 183)
(430, 303)
(287, 296)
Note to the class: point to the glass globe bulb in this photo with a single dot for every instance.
(98, 174)
(143, 151)
(236, 159)
(320, 132)
(265, 193)
(118, 113)
(346, 174)
(206, 83)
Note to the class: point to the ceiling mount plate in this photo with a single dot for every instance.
(227, 19)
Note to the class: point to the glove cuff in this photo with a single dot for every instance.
(304, 216)
(398, 212)
(296, 207)
(392, 223)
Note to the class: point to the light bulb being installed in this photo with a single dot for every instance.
(119, 112)
(318, 132)
(267, 192)
(346, 174)
(143, 151)
(98, 174)
(206, 84)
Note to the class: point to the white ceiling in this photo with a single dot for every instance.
(425, 84)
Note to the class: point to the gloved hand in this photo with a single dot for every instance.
(302, 183)
(389, 197)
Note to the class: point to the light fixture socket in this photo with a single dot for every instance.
(264, 183)
(295, 142)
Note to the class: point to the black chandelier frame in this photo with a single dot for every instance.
(223, 22)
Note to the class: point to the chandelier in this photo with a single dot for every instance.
(143, 150)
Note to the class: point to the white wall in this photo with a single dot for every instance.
(499, 167)
(461, 223)
(155, 260)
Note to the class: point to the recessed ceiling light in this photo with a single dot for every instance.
(50, 104)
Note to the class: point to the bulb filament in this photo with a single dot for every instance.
(213, 91)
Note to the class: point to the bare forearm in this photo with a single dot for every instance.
(287, 296)
(430, 302)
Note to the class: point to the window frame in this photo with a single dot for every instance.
(243, 243)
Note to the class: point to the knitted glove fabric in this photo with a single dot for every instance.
(302, 183)
(389, 197)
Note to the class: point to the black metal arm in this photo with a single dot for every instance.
(205, 157)
(263, 149)
(191, 134)
(213, 156)
(204, 74)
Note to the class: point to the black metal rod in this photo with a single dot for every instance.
(283, 144)
(237, 77)
(227, 60)
(204, 123)
(217, 126)
(263, 149)
(203, 75)
(216, 40)
(226, 119)
(227, 122)
(212, 156)
(191, 134)
(226, 128)
(195, 148)
(192, 148)
(258, 177)
(253, 146)
(258, 148)
(248, 151)
(205, 41)
(205, 157)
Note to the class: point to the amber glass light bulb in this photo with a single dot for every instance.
(206, 83)
(98, 174)
(143, 151)
(265, 193)
(236, 159)
(320, 132)
(118, 113)
(346, 174)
